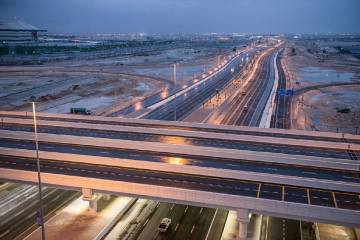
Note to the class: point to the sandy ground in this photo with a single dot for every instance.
(321, 97)
(98, 84)
(60, 89)
(321, 109)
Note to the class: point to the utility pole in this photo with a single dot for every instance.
(174, 91)
(40, 215)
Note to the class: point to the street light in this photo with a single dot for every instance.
(40, 213)
(175, 92)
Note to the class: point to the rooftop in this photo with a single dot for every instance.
(17, 25)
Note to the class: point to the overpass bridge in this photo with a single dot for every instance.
(288, 173)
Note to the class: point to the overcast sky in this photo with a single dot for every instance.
(187, 16)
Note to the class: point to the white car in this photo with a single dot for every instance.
(164, 224)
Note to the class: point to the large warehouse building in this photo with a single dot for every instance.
(18, 31)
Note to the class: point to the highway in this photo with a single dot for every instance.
(189, 222)
(31, 212)
(281, 118)
(186, 103)
(237, 130)
(250, 97)
(169, 91)
(20, 204)
(124, 134)
(188, 226)
(288, 229)
(310, 196)
(277, 228)
(190, 160)
(238, 116)
(65, 196)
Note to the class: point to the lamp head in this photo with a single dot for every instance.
(33, 99)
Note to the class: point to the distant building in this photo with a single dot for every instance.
(18, 31)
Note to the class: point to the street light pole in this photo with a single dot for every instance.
(41, 211)
(175, 91)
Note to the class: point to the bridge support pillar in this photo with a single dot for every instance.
(106, 196)
(243, 218)
(87, 195)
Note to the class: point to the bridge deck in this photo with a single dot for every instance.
(238, 130)
(288, 193)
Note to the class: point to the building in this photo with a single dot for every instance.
(18, 31)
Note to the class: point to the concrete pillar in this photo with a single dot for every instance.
(243, 218)
(93, 205)
(357, 233)
(87, 195)
(106, 196)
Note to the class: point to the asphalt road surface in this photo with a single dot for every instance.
(230, 144)
(232, 164)
(211, 184)
(20, 204)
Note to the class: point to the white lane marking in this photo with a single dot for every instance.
(176, 227)
(192, 229)
(212, 222)
(4, 233)
(187, 207)
(147, 220)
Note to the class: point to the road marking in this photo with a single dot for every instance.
(147, 220)
(212, 222)
(201, 210)
(271, 169)
(308, 196)
(349, 177)
(258, 192)
(176, 227)
(4, 233)
(334, 198)
(192, 229)
(267, 228)
(55, 198)
(186, 209)
(172, 207)
(18, 213)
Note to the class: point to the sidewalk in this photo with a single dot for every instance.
(76, 221)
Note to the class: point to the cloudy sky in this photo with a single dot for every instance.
(187, 16)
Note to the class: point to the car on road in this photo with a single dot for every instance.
(246, 108)
(164, 224)
(243, 93)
